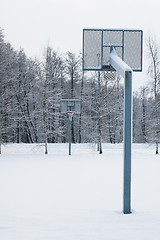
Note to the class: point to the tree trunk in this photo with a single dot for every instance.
(17, 131)
(156, 104)
(44, 114)
(0, 138)
(25, 120)
(155, 61)
(31, 123)
(143, 116)
(0, 118)
(157, 127)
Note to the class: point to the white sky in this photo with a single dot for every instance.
(34, 24)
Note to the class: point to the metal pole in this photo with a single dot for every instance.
(70, 121)
(127, 142)
(126, 72)
(100, 114)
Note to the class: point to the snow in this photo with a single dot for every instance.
(77, 197)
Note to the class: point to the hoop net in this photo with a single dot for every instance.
(111, 75)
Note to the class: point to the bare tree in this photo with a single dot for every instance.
(154, 71)
(74, 75)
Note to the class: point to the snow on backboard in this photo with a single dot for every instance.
(98, 42)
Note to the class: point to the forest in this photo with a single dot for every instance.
(31, 91)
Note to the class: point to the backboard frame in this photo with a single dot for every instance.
(70, 105)
(120, 45)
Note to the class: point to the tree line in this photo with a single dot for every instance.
(31, 91)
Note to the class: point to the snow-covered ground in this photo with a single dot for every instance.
(77, 197)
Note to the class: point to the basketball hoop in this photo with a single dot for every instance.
(118, 50)
(70, 114)
(70, 107)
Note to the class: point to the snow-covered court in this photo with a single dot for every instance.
(77, 197)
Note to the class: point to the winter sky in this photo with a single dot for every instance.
(35, 24)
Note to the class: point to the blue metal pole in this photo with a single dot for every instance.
(126, 72)
(70, 121)
(127, 142)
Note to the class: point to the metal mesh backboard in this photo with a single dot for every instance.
(97, 44)
(70, 105)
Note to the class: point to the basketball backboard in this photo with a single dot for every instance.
(98, 42)
(71, 105)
